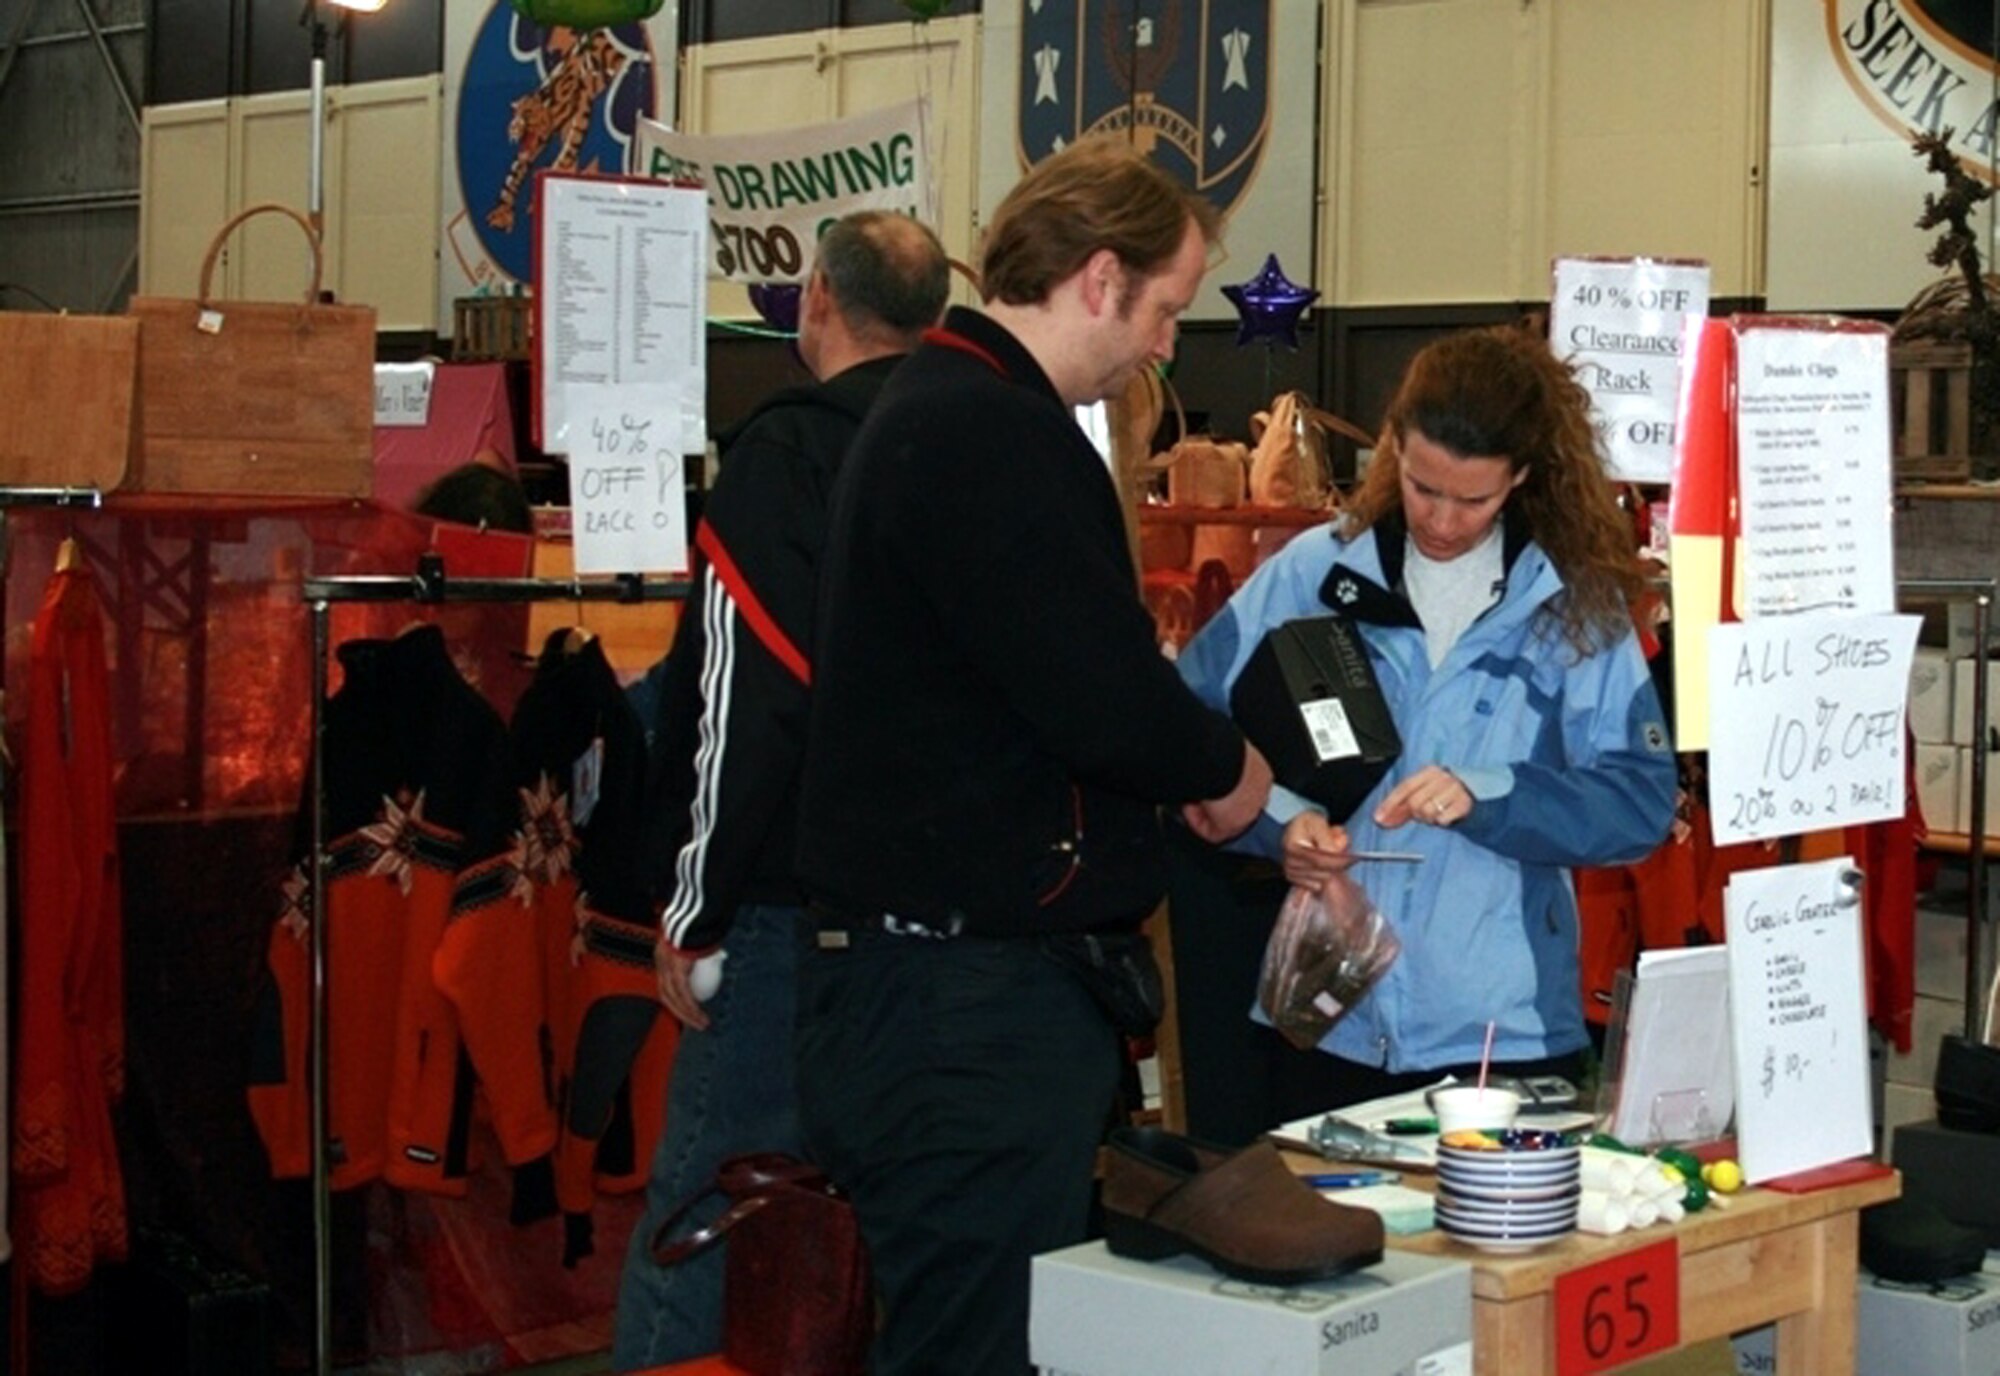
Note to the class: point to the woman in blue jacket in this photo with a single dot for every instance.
(1490, 573)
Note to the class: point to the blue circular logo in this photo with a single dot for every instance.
(539, 98)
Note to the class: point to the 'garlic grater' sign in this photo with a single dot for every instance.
(1923, 65)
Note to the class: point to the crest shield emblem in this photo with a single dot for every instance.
(1189, 80)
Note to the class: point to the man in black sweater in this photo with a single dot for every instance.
(993, 731)
(731, 729)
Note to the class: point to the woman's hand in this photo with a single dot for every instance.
(1433, 795)
(1315, 850)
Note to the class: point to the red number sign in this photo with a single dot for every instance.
(1621, 1308)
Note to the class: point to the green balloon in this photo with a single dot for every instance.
(587, 14)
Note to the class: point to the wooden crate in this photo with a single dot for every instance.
(1930, 399)
(66, 388)
(485, 328)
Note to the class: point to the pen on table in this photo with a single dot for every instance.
(1347, 1180)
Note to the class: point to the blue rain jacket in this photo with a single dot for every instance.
(1567, 759)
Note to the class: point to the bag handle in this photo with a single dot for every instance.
(222, 235)
(701, 1239)
(751, 1180)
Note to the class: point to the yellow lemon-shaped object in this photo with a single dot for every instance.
(1724, 1177)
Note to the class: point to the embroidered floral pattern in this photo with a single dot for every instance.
(579, 935)
(296, 914)
(394, 836)
(545, 846)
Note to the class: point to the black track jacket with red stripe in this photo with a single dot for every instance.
(733, 715)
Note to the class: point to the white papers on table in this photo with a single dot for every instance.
(1799, 1032)
(1675, 1081)
(1373, 1116)
(1402, 1209)
(1413, 1149)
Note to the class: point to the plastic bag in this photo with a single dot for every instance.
(1328, 948)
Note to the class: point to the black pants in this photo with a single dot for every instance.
(957, 1089)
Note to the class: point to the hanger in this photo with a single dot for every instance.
(579, 635)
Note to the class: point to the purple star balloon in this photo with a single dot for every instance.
(1269, 305)
(778, 303)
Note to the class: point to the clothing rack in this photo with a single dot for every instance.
(428, 586)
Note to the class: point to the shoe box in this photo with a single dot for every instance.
(1957, 1173)
(1756, 1351)
(1094, 1314)
(1948, 1328)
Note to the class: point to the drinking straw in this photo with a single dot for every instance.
(1485, 1056)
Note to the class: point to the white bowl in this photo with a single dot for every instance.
(1460, 1107)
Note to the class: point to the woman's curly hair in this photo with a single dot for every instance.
(1501, 392)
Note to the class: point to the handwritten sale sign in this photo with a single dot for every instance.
(628, 507)
(1806, 723)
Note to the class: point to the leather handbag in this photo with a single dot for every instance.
(796, 1295)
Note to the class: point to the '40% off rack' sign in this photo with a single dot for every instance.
(1806, 723)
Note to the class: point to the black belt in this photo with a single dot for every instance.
(838, 926)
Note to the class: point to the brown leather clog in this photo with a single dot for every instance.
(1244, 1213)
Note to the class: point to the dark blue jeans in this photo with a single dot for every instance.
(957, 1090)
(732, 1092)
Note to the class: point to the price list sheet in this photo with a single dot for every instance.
(620, 292)
(1812, 437)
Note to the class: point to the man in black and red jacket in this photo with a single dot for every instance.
(728, 741)
(993, 731)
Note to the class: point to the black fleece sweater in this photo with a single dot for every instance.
(993, 727)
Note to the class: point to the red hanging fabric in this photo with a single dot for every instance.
(70, 1200)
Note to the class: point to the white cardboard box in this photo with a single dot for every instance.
(1961, 699)
(1094, 1314)
(1951, 1329)
(1958, 638)
(1931, 685)
(1937, 784)
(1964, 818)
(1756, 1351)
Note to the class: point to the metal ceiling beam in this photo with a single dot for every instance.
(110, 62)
(12, 46)
(41, 40)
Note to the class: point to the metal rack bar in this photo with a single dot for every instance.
(51, 496)
(429, 585)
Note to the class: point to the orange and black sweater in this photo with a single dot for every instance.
(579, 772)
(434, 966)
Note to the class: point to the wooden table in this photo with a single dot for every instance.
(1788, 1258)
